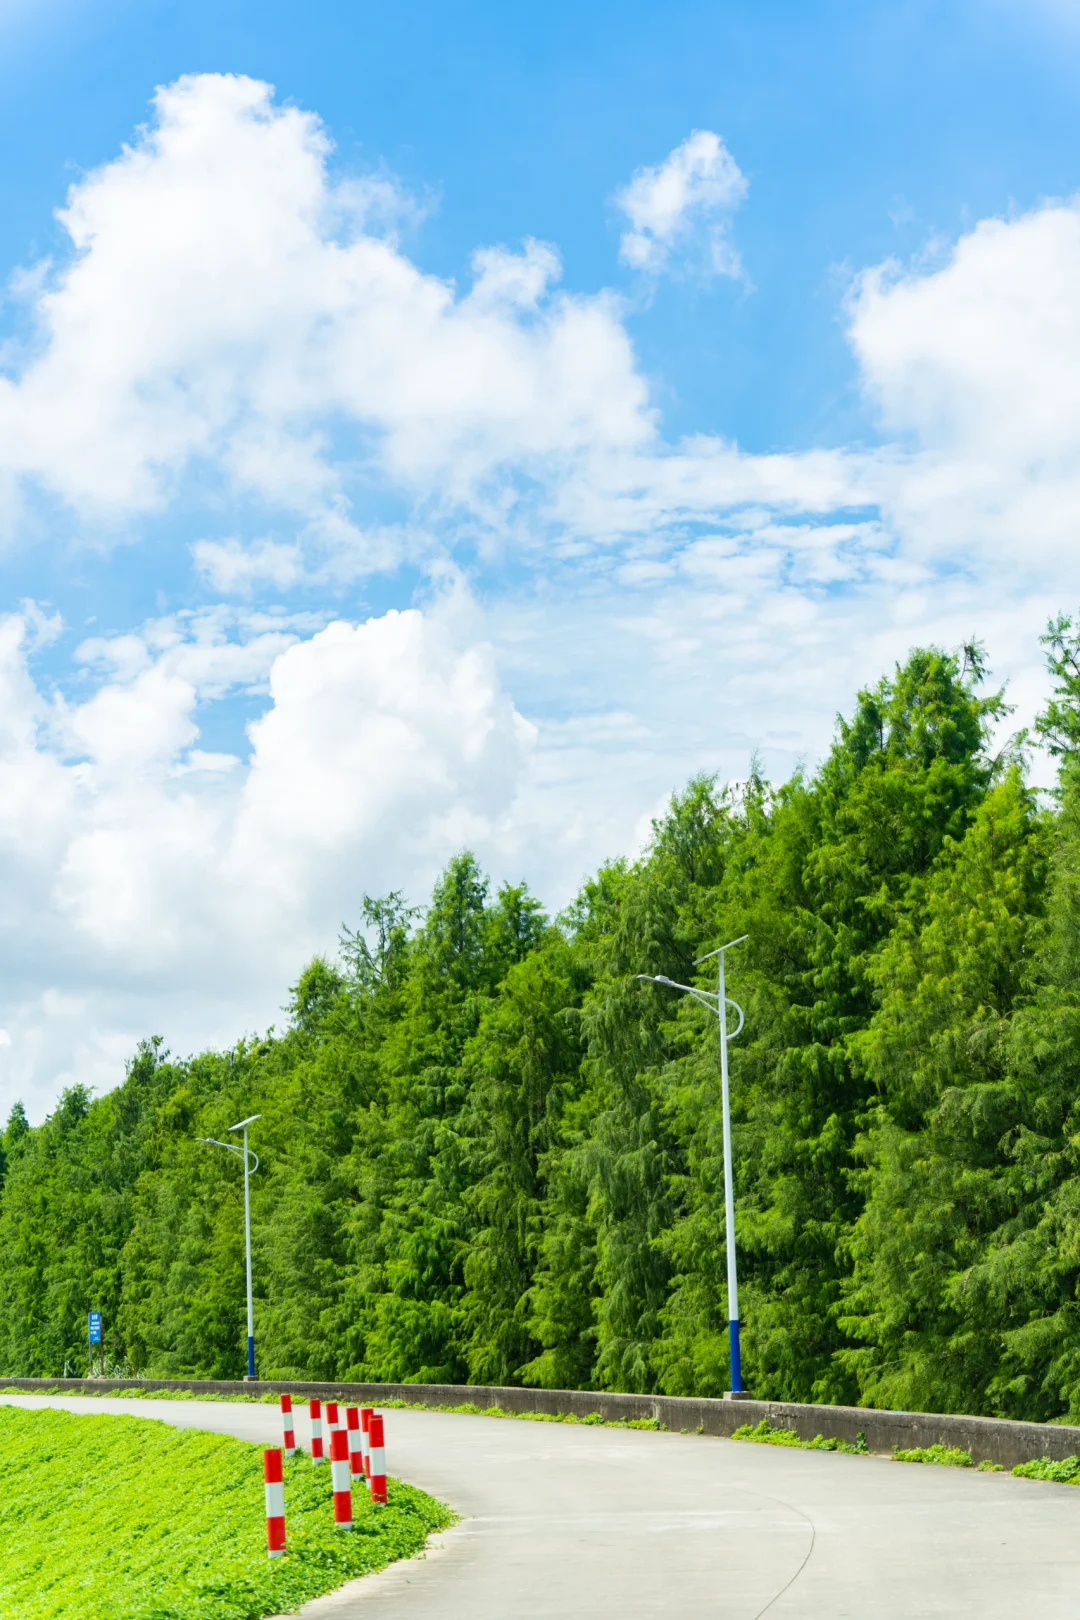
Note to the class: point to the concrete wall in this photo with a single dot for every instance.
(991, 1439)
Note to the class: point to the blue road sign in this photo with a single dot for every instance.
(95, 1327)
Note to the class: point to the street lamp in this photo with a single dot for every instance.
(247, 1154)
(718, 1002)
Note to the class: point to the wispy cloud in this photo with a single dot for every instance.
(683, 207)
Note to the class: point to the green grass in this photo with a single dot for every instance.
(124, 1518)
(762, 1435)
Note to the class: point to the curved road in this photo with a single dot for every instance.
(576, 1523)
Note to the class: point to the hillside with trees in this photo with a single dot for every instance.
(490, 1154)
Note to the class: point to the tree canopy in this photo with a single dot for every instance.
(491, 1154)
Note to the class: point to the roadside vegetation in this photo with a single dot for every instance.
(1065, 1472)
(763, 1434)
(123, 1518)
(489, 1154)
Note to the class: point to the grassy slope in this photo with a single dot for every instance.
(123, 1518)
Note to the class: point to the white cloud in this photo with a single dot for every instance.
(237, 324)
(227, 303)
(974, 367)
(233, 568)
(684, 204)
(236, 321)
(151, 886)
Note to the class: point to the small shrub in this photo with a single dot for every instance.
(1065, 1472)
(761, 1434)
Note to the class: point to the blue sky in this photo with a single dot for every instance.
(622, 385)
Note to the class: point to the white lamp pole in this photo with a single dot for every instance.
(718, 1002)
(249, 1170)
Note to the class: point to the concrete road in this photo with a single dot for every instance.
(576, 1523)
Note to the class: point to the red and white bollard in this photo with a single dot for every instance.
(356, 1441)
(275, 1502)
(365, 1431)
(377, 1469)
(315, 1414)
(287, 1425)
(340, 1479)
(332, 1421)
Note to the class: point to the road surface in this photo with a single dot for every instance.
(561, 1522)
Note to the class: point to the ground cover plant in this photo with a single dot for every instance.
(491, 1155)
(763, 1434)
(1065, 1472)
(124, 1518)
(936, 1455)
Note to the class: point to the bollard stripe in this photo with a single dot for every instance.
(356, 1441)
(377, 1464)
(340, 1482)
(274, 1492)
(365, 1424)
(315, 1414)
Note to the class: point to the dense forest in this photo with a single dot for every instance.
(490, 1154)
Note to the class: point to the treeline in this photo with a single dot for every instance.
(490, 1154)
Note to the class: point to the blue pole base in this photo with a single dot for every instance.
(251, 1356)
(736, 1361)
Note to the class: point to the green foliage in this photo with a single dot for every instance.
(941, 1456)
(763, 1434)
(490, 1153)
(122, 1518)
(1065, 1472)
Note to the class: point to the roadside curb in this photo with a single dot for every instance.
(999, 1440)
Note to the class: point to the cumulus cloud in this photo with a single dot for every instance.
(973, 365)
(228, 303)
(237, 324)
(238, 329)
(150, 885)
(684, 205)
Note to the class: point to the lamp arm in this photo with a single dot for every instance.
(212, 1141)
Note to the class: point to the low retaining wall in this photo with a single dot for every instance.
(988, 1439)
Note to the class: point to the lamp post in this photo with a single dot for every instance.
(249, 1170)
(718, 1002)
